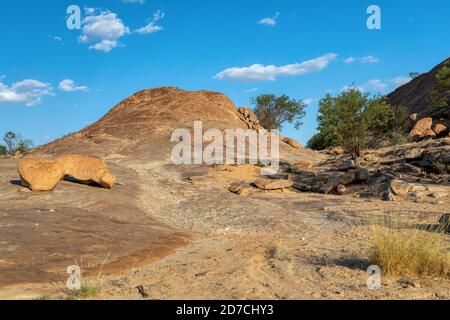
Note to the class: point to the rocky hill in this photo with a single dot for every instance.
(414, 96)
(141, 125)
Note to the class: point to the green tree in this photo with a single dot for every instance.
(10, 139)
(443, 77)
(351, 120)
(3, 150)
(24, 145)
(14, 142)
(273, 111)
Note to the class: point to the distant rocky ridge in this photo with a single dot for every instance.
(414, 95)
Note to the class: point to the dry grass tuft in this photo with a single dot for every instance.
(402, 251)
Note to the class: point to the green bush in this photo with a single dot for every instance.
(398, 138)
(14, 142)
(354, 120)
(443, 77)
(273, 111)
(3, 150)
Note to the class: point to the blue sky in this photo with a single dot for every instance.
(55, 80)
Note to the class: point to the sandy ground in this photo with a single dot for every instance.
(180, 234)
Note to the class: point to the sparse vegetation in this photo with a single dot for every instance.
(14, 142)
(401, 251)
(414, 75)
(355, 120)
(88, 289)
(439, 167)
(273, 111)
(3, 150)
(437, 97)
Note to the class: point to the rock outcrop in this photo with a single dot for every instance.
(44, 174)
(40, 174)
(250, 119)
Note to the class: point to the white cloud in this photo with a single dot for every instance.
(399, 81)
(270, 21)
(57, 38)
(349, 60)
(379, 85)
(69, 85)
(364, 60)
(258, 72)
(28, 92)
(376, 84)
(152, 26)
(103, 28)
(369, 59)
(308, 101)
(251, 90)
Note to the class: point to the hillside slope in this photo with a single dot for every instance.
(414, 95)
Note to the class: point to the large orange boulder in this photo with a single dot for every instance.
(292, 142)
(40, 174)
(422, 126)
(87, 169)
(44, 174)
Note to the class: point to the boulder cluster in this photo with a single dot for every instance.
(250, 118)
(403, 172)
(44, 174)
(428, 128)
(247, 115)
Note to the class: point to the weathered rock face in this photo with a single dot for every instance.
(337, 151)
(40, 174)
(293, 143)
(273, 184)
(249, 118)
(439, 128)
(86, 169)
(421, 128)
(44, 174)
(302, 166)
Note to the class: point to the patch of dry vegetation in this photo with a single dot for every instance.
(403, 251)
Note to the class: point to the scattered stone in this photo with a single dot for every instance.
(234, 187)
(337, 151)
(439, 128)
(407, 168)
(346, 165)
(407, 282)
(341, 189)
(400, 188)
(371, 158)
(142, 291)
(273, 184)
(302, 166)
(244, 192)
(293, 143)
(361, 174)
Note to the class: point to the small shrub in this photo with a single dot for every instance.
(439, 167)
(398, 138)
(3, 150)
(409, 252)
(88, 289)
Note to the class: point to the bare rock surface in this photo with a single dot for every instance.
(181, 232)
